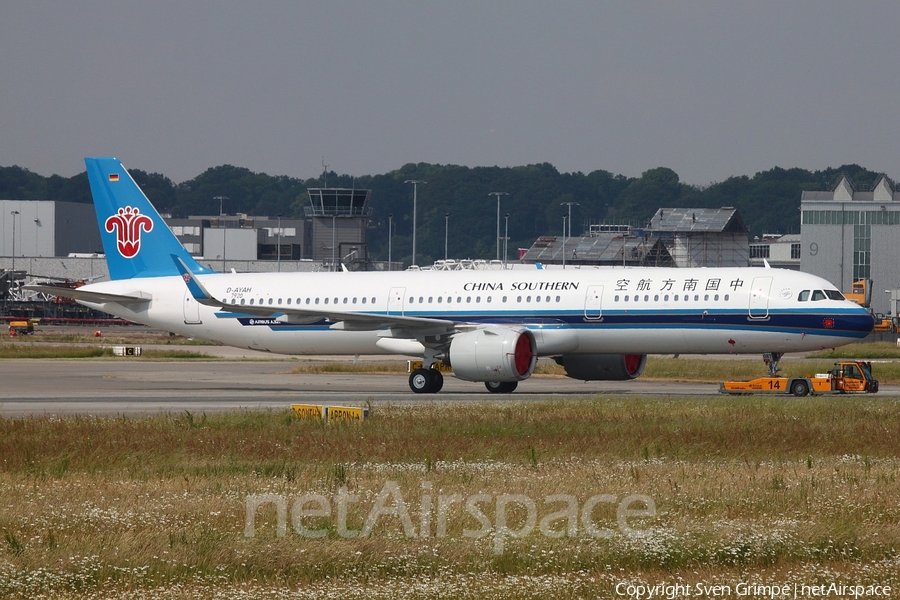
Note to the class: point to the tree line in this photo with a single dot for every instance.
(538, 194)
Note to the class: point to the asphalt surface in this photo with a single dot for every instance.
(128, 386)
(131, 386)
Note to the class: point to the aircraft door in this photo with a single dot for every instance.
(759, 297)
(191, 309)
(395, 301)
(593, 303)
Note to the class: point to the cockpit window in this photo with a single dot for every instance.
(834, 295)
(804, 296)
(818, 295)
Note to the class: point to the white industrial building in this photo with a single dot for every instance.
(850, 234)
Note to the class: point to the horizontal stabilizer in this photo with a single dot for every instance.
(89, 296)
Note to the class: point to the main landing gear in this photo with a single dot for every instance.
(426, 381)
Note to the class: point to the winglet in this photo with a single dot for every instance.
(199, 293)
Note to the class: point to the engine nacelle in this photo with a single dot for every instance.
(602, 367)
(493, 354)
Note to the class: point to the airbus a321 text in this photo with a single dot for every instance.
(489, 326)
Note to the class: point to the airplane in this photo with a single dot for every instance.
(488, 326)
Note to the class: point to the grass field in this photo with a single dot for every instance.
(757, 490)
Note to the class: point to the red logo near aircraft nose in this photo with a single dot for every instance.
(128, 223)
(828, 323)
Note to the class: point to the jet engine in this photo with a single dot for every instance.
(602, 367)
(493, 354)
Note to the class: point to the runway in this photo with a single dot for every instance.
(126, 386)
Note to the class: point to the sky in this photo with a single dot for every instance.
(707, 88)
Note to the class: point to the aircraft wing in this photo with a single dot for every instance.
(342, 319)
(87, 295)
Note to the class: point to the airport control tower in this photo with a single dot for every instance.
(339, 217)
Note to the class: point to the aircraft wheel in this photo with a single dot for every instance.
(800, 388)
(501, 387)
(426, 381)
(437, 381)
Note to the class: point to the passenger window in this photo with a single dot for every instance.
(421, 299)
(726, 297)
(537, 298)
(666, 297)
(242, 301)
(251, 301)
(364, 300)
(803, 296)
(440, 299)
(317, 300)
(705, 297)
(616, 298)
(326, 300)
(646, 298)
(557, 298)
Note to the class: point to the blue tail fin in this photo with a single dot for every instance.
(137, 241)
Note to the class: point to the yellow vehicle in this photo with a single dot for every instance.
(21, 327)
(845, 377)
(861, 293)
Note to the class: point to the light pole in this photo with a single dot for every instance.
(333, 240)
(446, 232)
(220, 199)
(415, 183)
(505, 239)
(498, 194)
(14, 214)
(564, 241)
(569, 204)
(279, 242)
(390, 240)
(223, 225)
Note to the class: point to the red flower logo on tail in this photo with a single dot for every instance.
(128, 223)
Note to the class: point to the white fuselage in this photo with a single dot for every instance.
(593, 310)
